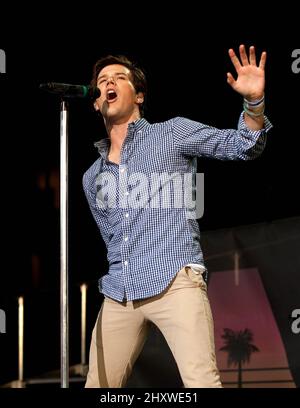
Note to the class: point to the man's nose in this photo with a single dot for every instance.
(111, 79)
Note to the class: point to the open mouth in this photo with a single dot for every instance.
(111, 95)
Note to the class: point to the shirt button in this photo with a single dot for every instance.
(125, 263)
(127, 215)
(127, 193)
(122, 170)
(126, 238)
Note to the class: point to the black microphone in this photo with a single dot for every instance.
(71, 91)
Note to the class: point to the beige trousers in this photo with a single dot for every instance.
(181, 312)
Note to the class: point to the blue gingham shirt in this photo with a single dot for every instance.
(147, 246)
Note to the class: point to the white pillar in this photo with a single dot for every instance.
(83, 289)
(21, 339)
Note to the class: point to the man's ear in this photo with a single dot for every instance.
(140, 98)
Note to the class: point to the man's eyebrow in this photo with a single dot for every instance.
(116, 73)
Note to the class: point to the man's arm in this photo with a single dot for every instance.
(197, 139)
(248, 141)
(250, 83)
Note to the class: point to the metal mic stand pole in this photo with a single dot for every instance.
(64, 300)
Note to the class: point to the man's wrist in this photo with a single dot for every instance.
(254, 98)
(254, 107)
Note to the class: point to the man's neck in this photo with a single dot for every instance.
(117, 134)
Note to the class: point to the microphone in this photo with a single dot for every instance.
(71, 91)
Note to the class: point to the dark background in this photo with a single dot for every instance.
(184, 54)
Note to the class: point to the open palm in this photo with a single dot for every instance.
(250, 82)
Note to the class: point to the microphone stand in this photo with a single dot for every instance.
(67, 91)
(64, 262)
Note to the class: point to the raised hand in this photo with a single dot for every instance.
(250, 82)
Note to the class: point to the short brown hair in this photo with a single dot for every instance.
(137, 74)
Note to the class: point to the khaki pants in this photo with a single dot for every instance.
(183, 315)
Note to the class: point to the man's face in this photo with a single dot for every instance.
(118, 101)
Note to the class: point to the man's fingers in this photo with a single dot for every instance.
(230, 79)
(234, 59)
(252, 57)
(263, 60)
(243, 55)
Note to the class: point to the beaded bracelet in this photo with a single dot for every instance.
(252, 113)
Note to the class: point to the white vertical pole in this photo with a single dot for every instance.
(83, 289)
(21, 339)
(64, 307)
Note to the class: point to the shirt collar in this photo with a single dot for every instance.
(134, 127)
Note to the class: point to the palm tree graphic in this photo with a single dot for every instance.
(239, 346)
